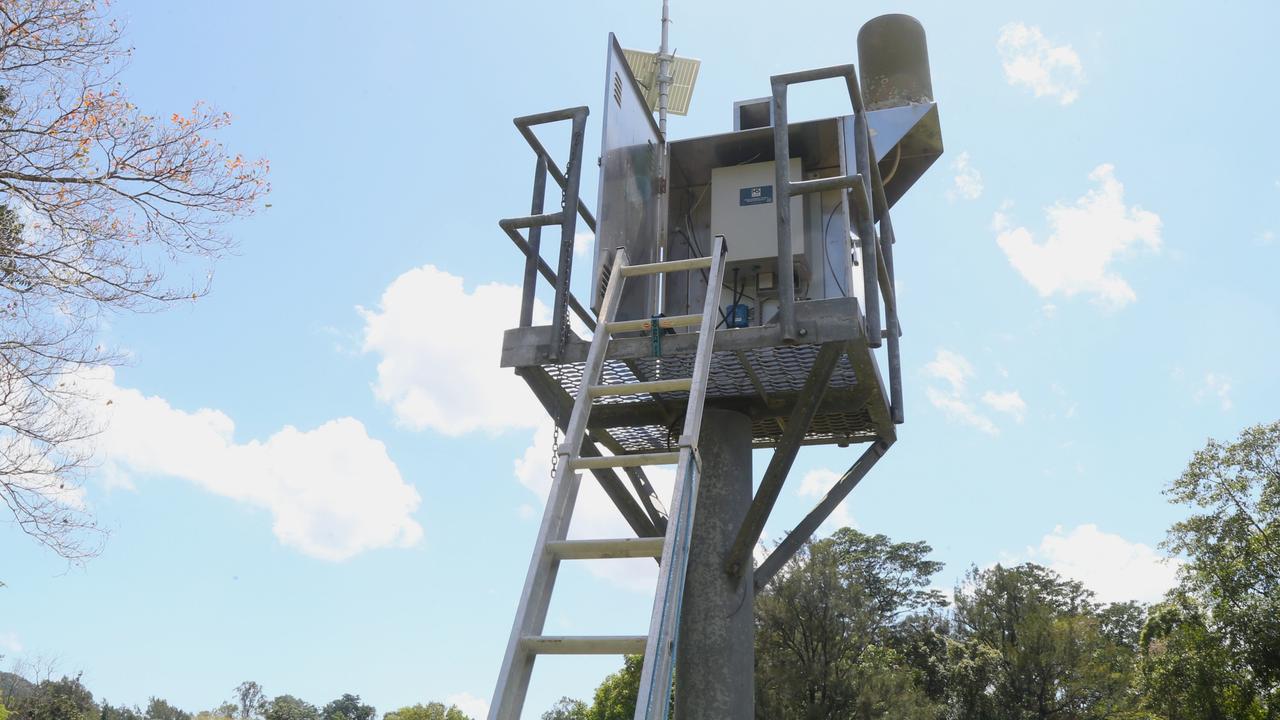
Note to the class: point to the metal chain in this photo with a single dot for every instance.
(555, 450)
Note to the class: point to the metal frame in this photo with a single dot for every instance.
(567, 220)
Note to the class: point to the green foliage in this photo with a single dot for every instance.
(65, 699)
(615, 698)
(4, 711)
(1037, 646)
(430, 711)
(159, 709)
(288, 707)
(568, 709)
(834, 629)
(348, 707)
(1232, 545)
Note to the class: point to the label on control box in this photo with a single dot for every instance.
(758, 195)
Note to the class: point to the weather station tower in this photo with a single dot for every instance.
(743, 297)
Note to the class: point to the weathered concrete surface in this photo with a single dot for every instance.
(715, 661)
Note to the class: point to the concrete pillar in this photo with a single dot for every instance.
(715, 661)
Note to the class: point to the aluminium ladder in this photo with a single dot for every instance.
(527, 640)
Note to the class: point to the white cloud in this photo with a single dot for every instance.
(439, 348)
(333, 492)
(1030, 60)
(952, 367)
(1084, 238)
(594, 515)
(1010, 403)
(1114, 568)
(9, 642)
(1265, 238)
(955, 370)
(584, 244)
(816, 484)
(469, 704)
(1216, 386)
(967, 183)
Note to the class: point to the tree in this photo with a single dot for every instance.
(251, 701)
(828, 626)
(1232, 545)
(122, 712)
(1187, 671)
(348, 707)
(64, 699)
(615, 697)
(1031, 644)
(159, 709)
(430, 711)
(566, 709)
(288, 707)
(97, 200)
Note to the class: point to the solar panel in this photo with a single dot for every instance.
(684, 73)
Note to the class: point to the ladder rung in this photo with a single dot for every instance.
(617, 461)
(639, 388)
(585, 644)
(646, 324)
(698, 263)
(608, 548)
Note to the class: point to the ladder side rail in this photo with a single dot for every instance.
(654, 697)
(535, 599)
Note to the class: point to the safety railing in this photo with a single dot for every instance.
(868, 199)
(571, 208)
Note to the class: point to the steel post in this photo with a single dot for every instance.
(535, 242)
(715, 660)
(568, 228)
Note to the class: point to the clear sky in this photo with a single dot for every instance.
(317, 477)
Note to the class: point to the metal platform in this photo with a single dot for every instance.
(752, 371)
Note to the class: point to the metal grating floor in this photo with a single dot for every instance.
(779, 370)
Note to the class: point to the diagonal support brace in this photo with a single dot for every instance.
(784, 455)
(805, 529)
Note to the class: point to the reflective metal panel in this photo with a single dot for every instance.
(627, 215)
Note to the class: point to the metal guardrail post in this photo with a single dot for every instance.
(568, 228)
(782, 181)
(782, 207)
(535, 242)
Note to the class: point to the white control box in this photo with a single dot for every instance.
(742, 198)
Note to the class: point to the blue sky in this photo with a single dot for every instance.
(318, 478)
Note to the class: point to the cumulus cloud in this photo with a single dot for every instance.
(469, 704)
(816, 484)
(967, 183)
(1111, 566)
(952, 372)
(1084, 238)
(1009, 403)
(332, 491)
(955, 370)
(1031, 61)
(595, 515)
(439, 347)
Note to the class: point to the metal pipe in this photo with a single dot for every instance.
(887, 240)
(555, 171)
(866, 231)
(532, 221)
(568, 228)
(782, 207)
(839, 182)
(535, 244)
(545, 270)
(796, 539)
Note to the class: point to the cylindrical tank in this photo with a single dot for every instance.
(893, 62)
